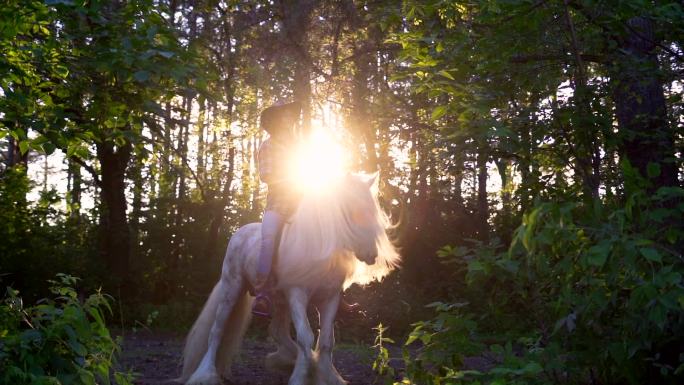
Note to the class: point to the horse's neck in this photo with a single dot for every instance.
(312, 222)
(312, 245)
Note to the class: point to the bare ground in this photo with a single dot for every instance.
(155, 358)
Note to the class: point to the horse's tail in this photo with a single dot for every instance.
(234, 330)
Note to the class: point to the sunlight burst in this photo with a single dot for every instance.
(318, 163)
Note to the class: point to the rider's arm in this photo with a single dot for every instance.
(266, 162)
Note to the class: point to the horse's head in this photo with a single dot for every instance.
(367, 223)
(334, 223)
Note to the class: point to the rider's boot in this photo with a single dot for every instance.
(262, 303)
(270, 228)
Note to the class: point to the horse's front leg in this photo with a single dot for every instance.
(284, 358)
(298, 299)
(326, 372)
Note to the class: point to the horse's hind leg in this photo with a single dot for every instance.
(284, 358)
(298, 300)
(326, 373)
(206, 373)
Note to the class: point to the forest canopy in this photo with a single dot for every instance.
(529, 152)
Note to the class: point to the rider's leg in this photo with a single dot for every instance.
(270, 228)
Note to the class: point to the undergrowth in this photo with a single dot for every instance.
(60, 340)
(582, 295)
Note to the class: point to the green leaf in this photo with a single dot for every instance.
(24, 146)
(141, 76)
(87, 378)
(679, 370)
(475, 265)
(62, 71)
(651, 254)
(446, 74)
(658, 315)
(532, 368)
(71, 149)
(412, 337)
(49, 148)
(30, 335)
(153, 107)
(78, 348)
(123, 378)
(438, 112)
(652, 170)
(598, 254)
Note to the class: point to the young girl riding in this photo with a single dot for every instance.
(282, 199)
(279, 121)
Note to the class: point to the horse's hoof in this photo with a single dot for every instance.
(338, 380)
(206, 378)
(279, 362)
(329, 376)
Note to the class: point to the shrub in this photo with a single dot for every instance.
(59, 340)
(582, 295)
(39, 239)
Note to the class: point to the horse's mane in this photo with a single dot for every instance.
(316, 240)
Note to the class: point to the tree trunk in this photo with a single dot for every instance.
(255, 181)
(73, 189)
(503, 167)
(14, 155)
(525, 162)
(482, 204)
(201, 126)
(296, 20)
(418, 207)
(219, 205)
(217, 219)
(46, 173)
(115, 237)
(136, 206)
(640, 106)
(164, 166)
(179, 205)
(360, 117)
(584, 142)
(153, 170)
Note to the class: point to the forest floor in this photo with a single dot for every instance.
(155, 359)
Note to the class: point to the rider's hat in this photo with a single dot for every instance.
(280, 117)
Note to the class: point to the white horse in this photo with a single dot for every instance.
(332, 240)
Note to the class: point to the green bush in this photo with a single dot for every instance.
(59, 340)
(582, 295)
(39, 239)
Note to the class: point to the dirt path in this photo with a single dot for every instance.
(155, 357)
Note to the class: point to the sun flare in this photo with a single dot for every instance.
(318, 162)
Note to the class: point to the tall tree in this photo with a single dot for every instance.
(296, 18)
(640, 108)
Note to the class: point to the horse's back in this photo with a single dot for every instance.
(247, 230)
